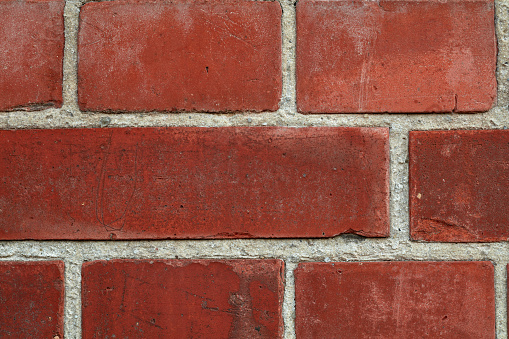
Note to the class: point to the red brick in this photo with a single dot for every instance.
(459, 185)
(31, 53)
(31, 299)
(155, 183)
(182, 299)
(395, 56)
(395, 300)
(180, 56)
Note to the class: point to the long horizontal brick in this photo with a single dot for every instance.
(155, 183)
(180, 56)
(31, 54)
(395, 300)
(182, 299)
(32, 299)
(395, 56)
(459, 185)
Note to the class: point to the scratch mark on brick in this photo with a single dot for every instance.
(100, 192)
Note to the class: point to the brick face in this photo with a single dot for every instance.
(395, 56)
(459, 185)
(31, 53)
(31, 299)
(182, 298)
(202, 220)
(395, 300)
(180, 56)
(156, 183)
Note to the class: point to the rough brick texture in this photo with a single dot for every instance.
(182, 299)
(459, 185)
(395, 300)
(31, 299)
(180, 56)
(31, 53)
(224, 182)
(395, 56)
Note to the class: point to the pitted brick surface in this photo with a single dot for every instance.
(183, 299)
(158, 183)
(395, 56)
(31, 299)
(180, 56)
(31, 53)
(395, 300)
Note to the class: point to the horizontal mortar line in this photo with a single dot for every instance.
(66, 109)
(374, 125)
(434, 122)
(263, 255)
(341, 240)
(336, 254)
(282, 110)
(399, 258)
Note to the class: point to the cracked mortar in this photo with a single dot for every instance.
(292, 251)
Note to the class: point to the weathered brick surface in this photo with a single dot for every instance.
(31, 299)
(395, 56)
(180, 56)
(459, 185)
(182, 299)
(153, 183)
(395, 300)
(31, 53)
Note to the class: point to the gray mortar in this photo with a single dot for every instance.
(292, 251)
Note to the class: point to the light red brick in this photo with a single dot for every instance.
(395, 300)
(180, 56)
(31, 299)
(395, 56)
(227, 182)
(459, 185)
(183, 299)
(31, 54)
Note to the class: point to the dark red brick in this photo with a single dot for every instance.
(182, 299)
(395, 56)
(180, 56)
(227, 182)
(31, 299)
(459, 185)
(31, 53)
(395, 300)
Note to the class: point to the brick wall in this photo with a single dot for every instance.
(253, 169)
